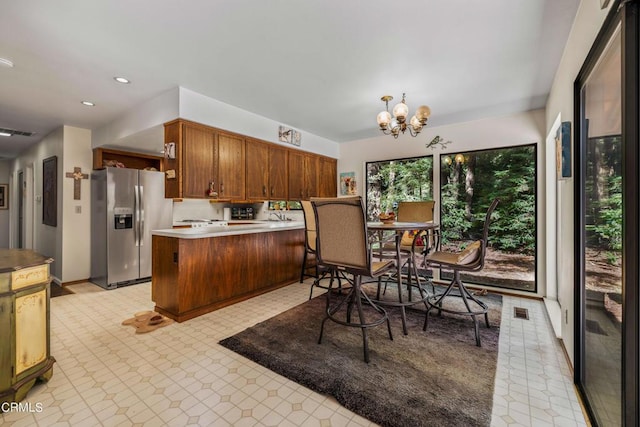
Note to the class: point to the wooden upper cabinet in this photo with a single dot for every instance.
(198, 162)
(257, 170)
(327, 177)
(296, 175)
(102, 157)
(239, 168)
(310, 176)
(231, 166)
(303, 175)
(278, 173)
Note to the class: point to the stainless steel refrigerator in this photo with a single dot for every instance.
(126, 204)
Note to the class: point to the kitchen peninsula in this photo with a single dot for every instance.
(198, 270)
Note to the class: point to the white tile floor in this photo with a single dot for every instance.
(107, 375)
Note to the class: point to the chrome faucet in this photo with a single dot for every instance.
(278, 215)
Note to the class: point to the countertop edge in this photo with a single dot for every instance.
(217, 231)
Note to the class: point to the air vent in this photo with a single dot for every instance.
(521, 313)
(16, 132)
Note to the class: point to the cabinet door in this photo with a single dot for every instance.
(199, 155)
(310, 176)
(327, 180)
(231, 167)
(257, 170)
(278, 173)
(31, 329)
(296, 175)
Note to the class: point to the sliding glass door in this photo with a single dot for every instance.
(602, 227)
(606, 222)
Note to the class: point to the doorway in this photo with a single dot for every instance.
(20, 224)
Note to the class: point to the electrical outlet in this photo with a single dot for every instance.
(78, 209)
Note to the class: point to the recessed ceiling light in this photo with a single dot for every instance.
(88, 103)
(6, 63)
(5, 134)
(121, 80)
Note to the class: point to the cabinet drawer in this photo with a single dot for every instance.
(29, 276)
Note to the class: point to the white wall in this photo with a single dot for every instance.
(4, 214)
(141, 129)
(137, 121)
(588, 22)
(47, 240)
(208, 111)
(76, 226)
(68, 243)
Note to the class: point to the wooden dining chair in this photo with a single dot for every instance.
(469, 259)
(343, 246)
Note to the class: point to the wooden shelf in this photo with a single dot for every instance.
(129, 159)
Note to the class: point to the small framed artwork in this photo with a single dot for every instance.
(50, 191)
(563, 151)
(348, 184)
(4, 196)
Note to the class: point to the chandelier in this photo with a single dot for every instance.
(398, 124)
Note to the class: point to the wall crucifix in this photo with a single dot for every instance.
(77, 176)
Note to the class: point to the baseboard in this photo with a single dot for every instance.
(554, 314)
(73, 282)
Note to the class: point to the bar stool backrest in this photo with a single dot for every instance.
(416, 211)
(309, 225)
(342, 234)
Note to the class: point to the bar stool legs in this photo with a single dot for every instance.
(435, 302)
(355, 297)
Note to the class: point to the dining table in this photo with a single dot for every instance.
(398, 229)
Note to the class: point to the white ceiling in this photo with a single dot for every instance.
(317, 65)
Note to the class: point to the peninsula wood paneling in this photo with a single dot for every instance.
(219, 271)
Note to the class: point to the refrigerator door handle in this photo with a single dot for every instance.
(136, 214)
(141, 217)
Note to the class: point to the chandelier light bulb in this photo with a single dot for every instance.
(415, 124)
(384, 118)
(400, 111)
(422, 113)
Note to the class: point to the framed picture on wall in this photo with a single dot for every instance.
(348, 184)
(563, 151)
(50, 191)
(4, 196)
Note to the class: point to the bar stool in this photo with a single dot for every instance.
(342, 246)
(470, 259)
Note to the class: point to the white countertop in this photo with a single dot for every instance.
(230, 230)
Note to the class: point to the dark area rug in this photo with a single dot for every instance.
(433, 378)
(58, 291)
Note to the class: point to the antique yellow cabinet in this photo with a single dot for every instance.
(24, 322)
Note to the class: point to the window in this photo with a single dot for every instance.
(469, 182)
(392, 181)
